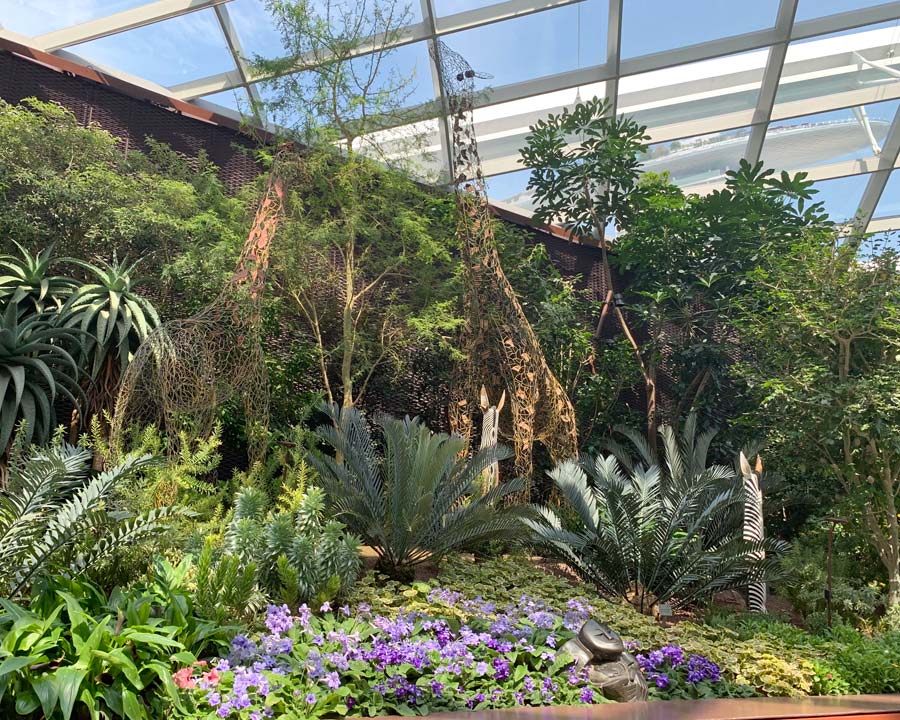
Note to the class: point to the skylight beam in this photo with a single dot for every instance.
(428, 16)
(119, 22)
(614, 54)
(237, 52)
(784, 24)
(890, 151)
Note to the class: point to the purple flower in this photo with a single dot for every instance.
(501, 668)
(437, 688)
(332, 680)
(278, 619)
(673, 654)
(326, 607)
(310, 698)
(586, 696)
(700, 668)
(303, 616)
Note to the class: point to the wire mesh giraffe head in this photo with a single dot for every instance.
(457, 76)
(458, 86)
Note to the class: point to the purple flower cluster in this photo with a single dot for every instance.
(662, 666)
(412, 661)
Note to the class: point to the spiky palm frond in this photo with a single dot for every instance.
(52, 503)
(668, 531)
(417, 499)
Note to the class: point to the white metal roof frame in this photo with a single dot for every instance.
(758, 62)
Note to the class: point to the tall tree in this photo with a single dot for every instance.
(826, 321)
(364, 255)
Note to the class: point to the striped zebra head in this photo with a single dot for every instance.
(752, 474)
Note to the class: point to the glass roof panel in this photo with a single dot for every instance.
(651, 26)
(170, 52)
(258, 33)
(809, 9)
(841, 196)
(535, 45)
(700, 159)
(232, 99)
(847, 134)
(407, 62)
(889, 203)
(510, 188)
(501, 129)
(839, 70)
(36, 17)
(255, 29)
(695, 94)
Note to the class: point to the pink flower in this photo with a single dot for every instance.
(211, 678)
(183, 678)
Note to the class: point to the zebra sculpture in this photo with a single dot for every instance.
(753, 526)
(490, 428)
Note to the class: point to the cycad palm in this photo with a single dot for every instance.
(419, 499)
(53, 505)
(669, 531)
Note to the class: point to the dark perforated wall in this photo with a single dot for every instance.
(126, 117)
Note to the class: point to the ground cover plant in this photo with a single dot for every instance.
(759, 656)
(355, 663)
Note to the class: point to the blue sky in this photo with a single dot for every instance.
(545, 43)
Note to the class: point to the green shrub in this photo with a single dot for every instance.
(804, 582)
(225, 586)
(299, 556)
(75, 651)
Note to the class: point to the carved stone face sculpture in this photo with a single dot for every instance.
(610, 667)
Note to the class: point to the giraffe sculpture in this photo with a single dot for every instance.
(498, 340)
(186, 369)
(753, 526)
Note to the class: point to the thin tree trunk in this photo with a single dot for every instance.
(893, 597)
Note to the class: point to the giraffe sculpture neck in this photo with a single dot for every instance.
(249, 278)
(499, 343)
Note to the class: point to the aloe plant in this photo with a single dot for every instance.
(27, 283)
(35, 368)
(419, 498)
(113, 320)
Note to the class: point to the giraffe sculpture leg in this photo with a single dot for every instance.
(523, 415)
(255, 400)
